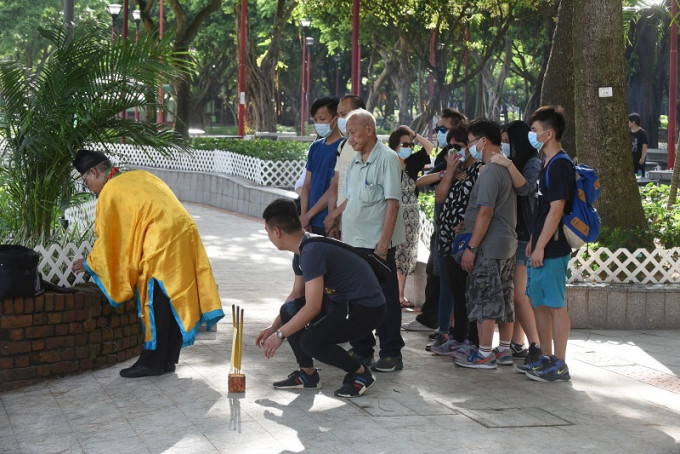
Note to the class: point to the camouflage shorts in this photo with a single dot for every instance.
(490, 288)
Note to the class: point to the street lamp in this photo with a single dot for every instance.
(114, 11)
(304, 23)
(337, 58)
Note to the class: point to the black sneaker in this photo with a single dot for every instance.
(433, 335)
(388, 364)
(354, 385)
(530, 361)
(438, 340)
(299, 379)
(518, 351)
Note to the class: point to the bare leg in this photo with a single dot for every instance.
(505, 330)
(544, 325)
(402, 285)
(486, 328)
(561, 325)
(524, 314)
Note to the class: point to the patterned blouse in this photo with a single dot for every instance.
(453, 208)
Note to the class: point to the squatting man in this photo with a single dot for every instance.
(336, 297)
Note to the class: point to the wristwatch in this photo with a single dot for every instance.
(473, 249)
(280, 334)
(441, 174)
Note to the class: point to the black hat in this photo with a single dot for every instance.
(86, 159)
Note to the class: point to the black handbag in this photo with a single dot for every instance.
(19, 276)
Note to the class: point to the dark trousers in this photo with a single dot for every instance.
(319, 230)
(463, 328)
(389, 330)
(338, 323)
(168, 334)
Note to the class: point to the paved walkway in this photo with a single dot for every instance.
(624, 395)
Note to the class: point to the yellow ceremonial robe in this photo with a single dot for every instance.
(145, 237)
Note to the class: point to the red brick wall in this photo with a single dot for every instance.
(57, 334)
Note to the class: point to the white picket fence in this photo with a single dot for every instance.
(659, 266)
(265, 173)
(602, 265)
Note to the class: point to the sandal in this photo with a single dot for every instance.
(406, 304)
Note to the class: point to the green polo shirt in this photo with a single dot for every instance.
(368, 186)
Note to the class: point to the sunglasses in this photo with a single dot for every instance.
(440, 129)
(408, 144)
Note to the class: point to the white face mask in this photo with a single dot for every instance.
(505, 149)
(342, 125)
(441, 138)
(323, 129)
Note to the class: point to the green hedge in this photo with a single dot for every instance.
(271, 150)
(664, 224)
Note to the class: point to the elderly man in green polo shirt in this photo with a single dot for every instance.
(373, 221)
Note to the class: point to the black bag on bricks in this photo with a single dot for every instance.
(19, 276)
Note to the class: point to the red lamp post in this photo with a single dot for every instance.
(356, 52)
(304, 23)
(160, 85)
(242, 72)
(673, 86)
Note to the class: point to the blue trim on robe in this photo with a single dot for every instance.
(98, 281)
(151, 345)
(139, 310)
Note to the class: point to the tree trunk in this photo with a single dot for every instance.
(642, 89)
(261, 78)
(549, 12)
(182, 86)
(602, 139)
(558, 84)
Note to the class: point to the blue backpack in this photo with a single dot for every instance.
(582, 225)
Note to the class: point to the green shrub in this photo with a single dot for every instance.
(271, 150)
(426, 204)
(663, 230)
(664, 224)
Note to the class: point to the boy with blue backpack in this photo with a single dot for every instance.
(549, 249)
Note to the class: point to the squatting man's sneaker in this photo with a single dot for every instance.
(354, 384)
(300, 379)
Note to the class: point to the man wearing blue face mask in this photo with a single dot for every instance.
(333, 198)
(320, 163)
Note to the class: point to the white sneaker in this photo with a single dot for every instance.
(414, 325)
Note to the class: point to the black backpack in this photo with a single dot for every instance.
(19, 276)
(378, 265)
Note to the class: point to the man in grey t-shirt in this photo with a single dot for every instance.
(491, 218)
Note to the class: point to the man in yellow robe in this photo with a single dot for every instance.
(148, 247)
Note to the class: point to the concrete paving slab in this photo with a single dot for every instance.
(624, 395)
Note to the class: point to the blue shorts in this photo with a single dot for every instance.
(547, 285)
(521, 254)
